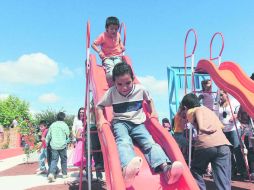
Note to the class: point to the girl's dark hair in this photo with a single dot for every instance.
(82, 108)
(121, 69)
(112, 21)
(190, 101)
(43, 122)
(60, 116)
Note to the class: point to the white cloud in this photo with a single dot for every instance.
(36, 68)
(67, 72)
(48, 98)
(3, 96)
(156, 87)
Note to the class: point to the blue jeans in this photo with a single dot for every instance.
(54, 160)
(125, 132)
(237, 162)
(42, 159)
(220, 159)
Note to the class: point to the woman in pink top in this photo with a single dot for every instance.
(109, 47)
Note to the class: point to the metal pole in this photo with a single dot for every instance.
(190, 144)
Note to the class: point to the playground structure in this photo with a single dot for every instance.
(227, 75)
(146, 179)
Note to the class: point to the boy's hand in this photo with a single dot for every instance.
(100, 124)
(102, 55)
(154, 115)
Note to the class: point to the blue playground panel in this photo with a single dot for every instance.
(176, 86)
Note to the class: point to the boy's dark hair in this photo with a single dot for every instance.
(112, 21)
(252, 76)
(165, 120)
(82, 108)
(60, 116)
(121, 69)
(43, 122)
(190, 101)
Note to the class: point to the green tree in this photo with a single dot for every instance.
(11, 107)
(49, 116)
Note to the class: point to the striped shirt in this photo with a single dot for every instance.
(129, 107)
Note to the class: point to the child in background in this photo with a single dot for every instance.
(166, 124)
(179, 125)
(97, 157)
(206, 95)
(128, 125)
(109, 46)
(43, 148)
(211, 144)
(57, 137)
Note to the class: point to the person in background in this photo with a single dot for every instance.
(78, 122)
(95, 145)
(179, 126)
(14, 122)
(231, 131)
(248, 135)
(166, 124)
(211, 145)
(57, 137)
(206, 95)
(109, 47)
(43, 148)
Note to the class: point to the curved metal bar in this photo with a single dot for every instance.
(187, 56)
(222, 46)
(86, 123)
(124, 30)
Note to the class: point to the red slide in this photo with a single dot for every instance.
(146, 179)
(230, 77)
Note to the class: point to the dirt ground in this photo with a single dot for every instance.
(29, 169)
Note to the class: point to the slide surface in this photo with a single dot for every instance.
(230, 77)
(146, 179)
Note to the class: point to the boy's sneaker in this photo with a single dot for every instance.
(99, 176)
(131, 170)
(51, 178)
(65, 176)
(42, 172)
(172, 173)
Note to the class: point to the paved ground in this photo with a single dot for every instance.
(16, 174)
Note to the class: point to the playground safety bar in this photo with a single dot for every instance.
(188, 56)
(222, 47)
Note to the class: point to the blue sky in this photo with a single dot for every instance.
(42, 43)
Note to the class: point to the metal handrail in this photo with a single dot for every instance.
(124, 29)
(86, 123)
(222, 47)
(188, 56)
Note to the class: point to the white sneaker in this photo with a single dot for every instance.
(173, 172)
(131, 170)
(65, 176)
(51, 178)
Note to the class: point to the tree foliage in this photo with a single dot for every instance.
(11, 107)
(49, 116)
